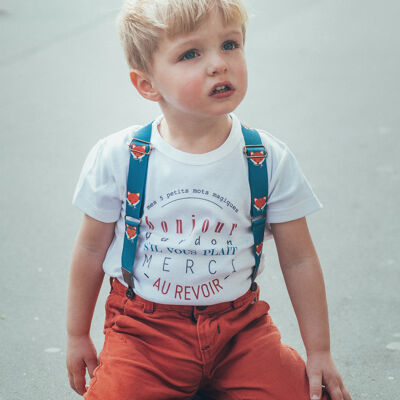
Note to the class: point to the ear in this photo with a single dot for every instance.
(144, 85)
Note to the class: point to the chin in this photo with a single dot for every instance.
(224, 110)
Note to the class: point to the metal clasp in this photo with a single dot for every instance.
(255, 156)
(133, 220)
(258, 219)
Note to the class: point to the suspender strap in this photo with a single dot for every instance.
(256, 155)
(139, 150)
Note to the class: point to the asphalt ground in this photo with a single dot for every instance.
(323, 77)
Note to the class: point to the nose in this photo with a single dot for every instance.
(217, 65)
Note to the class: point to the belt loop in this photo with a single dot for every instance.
(148, 307)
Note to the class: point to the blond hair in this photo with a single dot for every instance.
(141, 23)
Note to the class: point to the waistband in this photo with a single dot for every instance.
(251, 296)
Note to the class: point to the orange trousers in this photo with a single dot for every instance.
(231, 350)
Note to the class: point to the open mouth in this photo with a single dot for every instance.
(221, 89)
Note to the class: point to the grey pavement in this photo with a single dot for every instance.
(324, 78)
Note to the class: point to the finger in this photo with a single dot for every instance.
(333, 388)
(77, 376)
(80, 383)
(91, 365)
(346, 393)
(71, 380)
(315, 381)
(73, 383)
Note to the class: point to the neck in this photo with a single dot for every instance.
(195, 134)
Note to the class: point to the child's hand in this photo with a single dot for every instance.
(81, 354)
(322, 370)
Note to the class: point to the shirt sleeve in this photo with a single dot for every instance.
(96, 192)
(290, 195)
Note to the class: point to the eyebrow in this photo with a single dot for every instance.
(234, 32)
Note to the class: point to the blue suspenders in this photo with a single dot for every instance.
(140, 148)
(258, 179)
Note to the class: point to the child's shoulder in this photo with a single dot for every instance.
(271, 141)
(276, 149)
(112, 151)
(274, 146)
(119, 140)
(114, 147)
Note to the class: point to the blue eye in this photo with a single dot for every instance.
(189, 55)
(230, 45)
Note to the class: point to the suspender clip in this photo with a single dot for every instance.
(260, 219)
(128, 278)
(262, 153)
(133, 220)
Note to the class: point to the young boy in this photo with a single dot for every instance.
(191, 318)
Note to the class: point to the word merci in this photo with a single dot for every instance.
(189, 292)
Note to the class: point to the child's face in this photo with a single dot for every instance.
(202, 73)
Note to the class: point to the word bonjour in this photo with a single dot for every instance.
(205, 226)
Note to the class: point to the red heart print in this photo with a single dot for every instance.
(257, 157)
(260, 203)
(133, 198)
(138, 151)
(131, 232)
(259, 248)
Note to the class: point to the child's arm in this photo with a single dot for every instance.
(305, 283)
(86, 277)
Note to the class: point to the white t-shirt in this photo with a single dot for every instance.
(195, 245)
